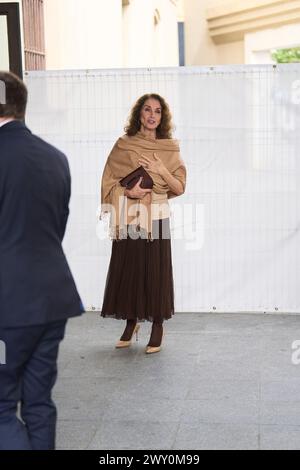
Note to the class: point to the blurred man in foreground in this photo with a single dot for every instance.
(37, 290)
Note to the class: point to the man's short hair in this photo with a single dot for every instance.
(15, 96)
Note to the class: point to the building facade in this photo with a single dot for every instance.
(240, 31)
(22, 43)
(71, 34)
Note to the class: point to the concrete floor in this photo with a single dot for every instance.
(221, 381)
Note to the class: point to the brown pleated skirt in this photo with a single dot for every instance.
(139, 282)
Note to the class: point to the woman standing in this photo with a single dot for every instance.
(139, 283)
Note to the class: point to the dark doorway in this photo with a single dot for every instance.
(10, 38)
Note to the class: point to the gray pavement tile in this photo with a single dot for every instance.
(125, 362)
(228, 370)
(280, 412)
(75, 435)
(217, 379)
(276, 361)
(222, 411)
(210, 388)
(227, 350)
(123, 435)
(144, 411)
(158, 386)
(203, 436)
(165, 367)
(101, 364)
(85, 389)
(280, 437)
(279, 371)
(81, 409)
(281, 390)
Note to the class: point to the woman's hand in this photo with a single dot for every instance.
(137, 192)
(156, 166)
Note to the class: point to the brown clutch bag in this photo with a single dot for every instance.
(132, 178)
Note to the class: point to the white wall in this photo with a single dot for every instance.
(166, 53)
(83, 34)
(200, 49)
(144, 43)
(259, 43)
(101, 33)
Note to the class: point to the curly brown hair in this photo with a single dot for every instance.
(163, 131)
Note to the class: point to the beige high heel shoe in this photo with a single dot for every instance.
(125, 344)
(154, 349)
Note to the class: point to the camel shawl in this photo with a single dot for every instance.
(122, 160)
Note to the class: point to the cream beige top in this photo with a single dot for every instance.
(161, 208)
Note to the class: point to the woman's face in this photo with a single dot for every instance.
(151, 114)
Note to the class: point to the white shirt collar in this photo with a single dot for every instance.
(6, 121)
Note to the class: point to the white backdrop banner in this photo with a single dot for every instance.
(236, 230)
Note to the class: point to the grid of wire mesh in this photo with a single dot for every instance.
(236, 229)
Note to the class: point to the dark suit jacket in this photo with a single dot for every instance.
(36, 285)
